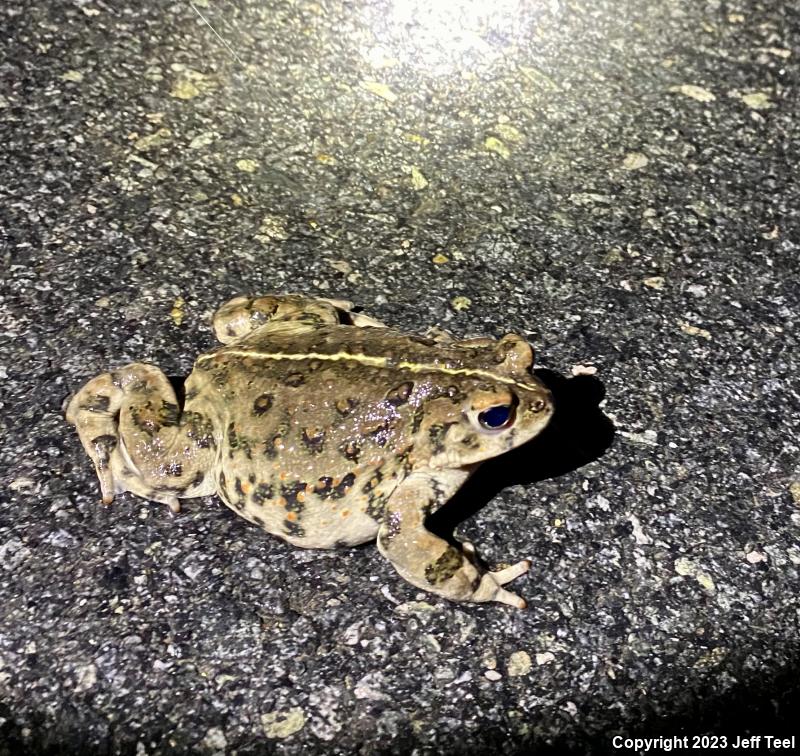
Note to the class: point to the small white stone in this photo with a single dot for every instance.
(519, 664)
(282, 724)
(87, 677)
(696, 93)
(215, 739)
(634, 161)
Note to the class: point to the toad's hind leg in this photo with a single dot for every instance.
(131, 426)
(242, 315)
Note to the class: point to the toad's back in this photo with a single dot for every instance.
(312, 437)
(316, 429)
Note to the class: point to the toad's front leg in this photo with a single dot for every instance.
(131, 426)
(429, 562)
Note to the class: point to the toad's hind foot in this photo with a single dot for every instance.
(92, 413)
(130, 424)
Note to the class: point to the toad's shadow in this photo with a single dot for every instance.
(578, 433)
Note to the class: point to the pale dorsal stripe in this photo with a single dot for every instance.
(376, 362)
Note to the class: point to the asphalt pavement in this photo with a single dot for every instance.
(616, 181)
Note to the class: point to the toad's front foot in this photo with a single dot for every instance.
(429, 562)
(490, 587)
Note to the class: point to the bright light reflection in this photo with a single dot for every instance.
(446, 36)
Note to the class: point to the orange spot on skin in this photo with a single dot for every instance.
(345, 513)
(282, 475)
(246, 487)
(291, 516)
(301, 497)
(280, 501)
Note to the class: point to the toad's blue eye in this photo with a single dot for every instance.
(496, 417)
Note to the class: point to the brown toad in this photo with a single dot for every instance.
(325, 428)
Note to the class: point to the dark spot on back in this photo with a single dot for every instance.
(314, 439)
(345, 485)
(350, 450)
(399, 394)
(295, 379)
(273, 445)
(263, 492)
(379, 431)
(294, 493)
(376, 506)
(326, 490)
(293, 529)
(345, 406)
(373, 482)
(323, 486)
(262, 404)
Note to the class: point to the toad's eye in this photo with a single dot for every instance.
(497, 417)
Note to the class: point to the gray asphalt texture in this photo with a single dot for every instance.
(617, 181)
